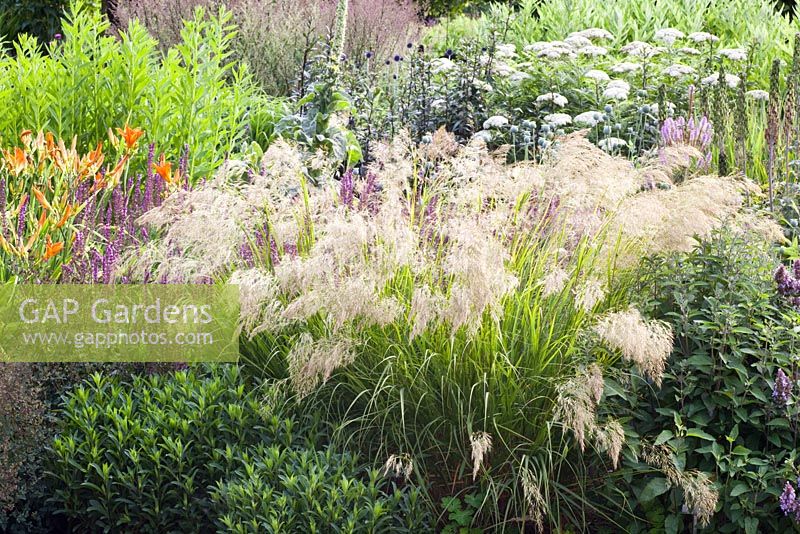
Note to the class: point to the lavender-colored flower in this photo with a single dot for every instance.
(696, 133)
(782, 391)
(788, 500)
(346, 190)
(23, 212)
(2, 208)
(788, 283)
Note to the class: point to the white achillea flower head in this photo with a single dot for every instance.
(518, 76)
(596, 75)
(610, 144)
(588, 118)
(594, 34)
(625, 67)
(483, 136)
(734, 54)
(758, 94)
(482, 85)
(558, 119)
(617, 90)
(689, 51)
(669, 35)
(442, 64)
(593, 51)
(678, 70)
(702, 37)
(495, 121)
(731, 80)
(542, 45)
(504, 70)
(555, 98)
(641, 49)
(577, 41)
(481, 445)
(506, 50)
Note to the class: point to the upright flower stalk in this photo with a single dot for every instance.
(337, 49)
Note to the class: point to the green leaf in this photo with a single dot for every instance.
(665, 436)
(672, 524)
(739, 488)
(697, 433)
(655, 487)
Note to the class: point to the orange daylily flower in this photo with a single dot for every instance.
(115, 174)
(35, 236)
(91, 162)
(51, 249)
(130, 135)
(50, 144)
(40, 197)
(25, 136)
(66, 159)
(164, 169)
(16, 161)
(65, 217)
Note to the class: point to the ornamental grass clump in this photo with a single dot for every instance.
(441, 312)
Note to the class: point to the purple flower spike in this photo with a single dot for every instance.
(23, 212)
(346, 189)
(783, 388)
(788, 500)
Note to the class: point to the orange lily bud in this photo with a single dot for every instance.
(40, 197)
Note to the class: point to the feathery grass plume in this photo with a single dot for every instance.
(588, 294)
(259, 301)
(312, 362)
(665, 221)
(700, 495)
(610, 438)
(399, 466)
(481, 445)
(476, 262)
(426, 308)
(647, 344)
(533, 497)
(576, 404)
(587, 178)
(554, 281)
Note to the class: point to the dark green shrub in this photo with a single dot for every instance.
(40, 18)
(715, 409)
(170, 452)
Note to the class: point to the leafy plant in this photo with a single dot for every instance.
(716, 409)
(193, 449)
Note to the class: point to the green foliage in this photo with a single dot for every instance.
(38, 18)
(314, 125)
(738, 22)
(461, 515)
(168, 452)
(714, 409)
(90, 82)
(280, 490)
